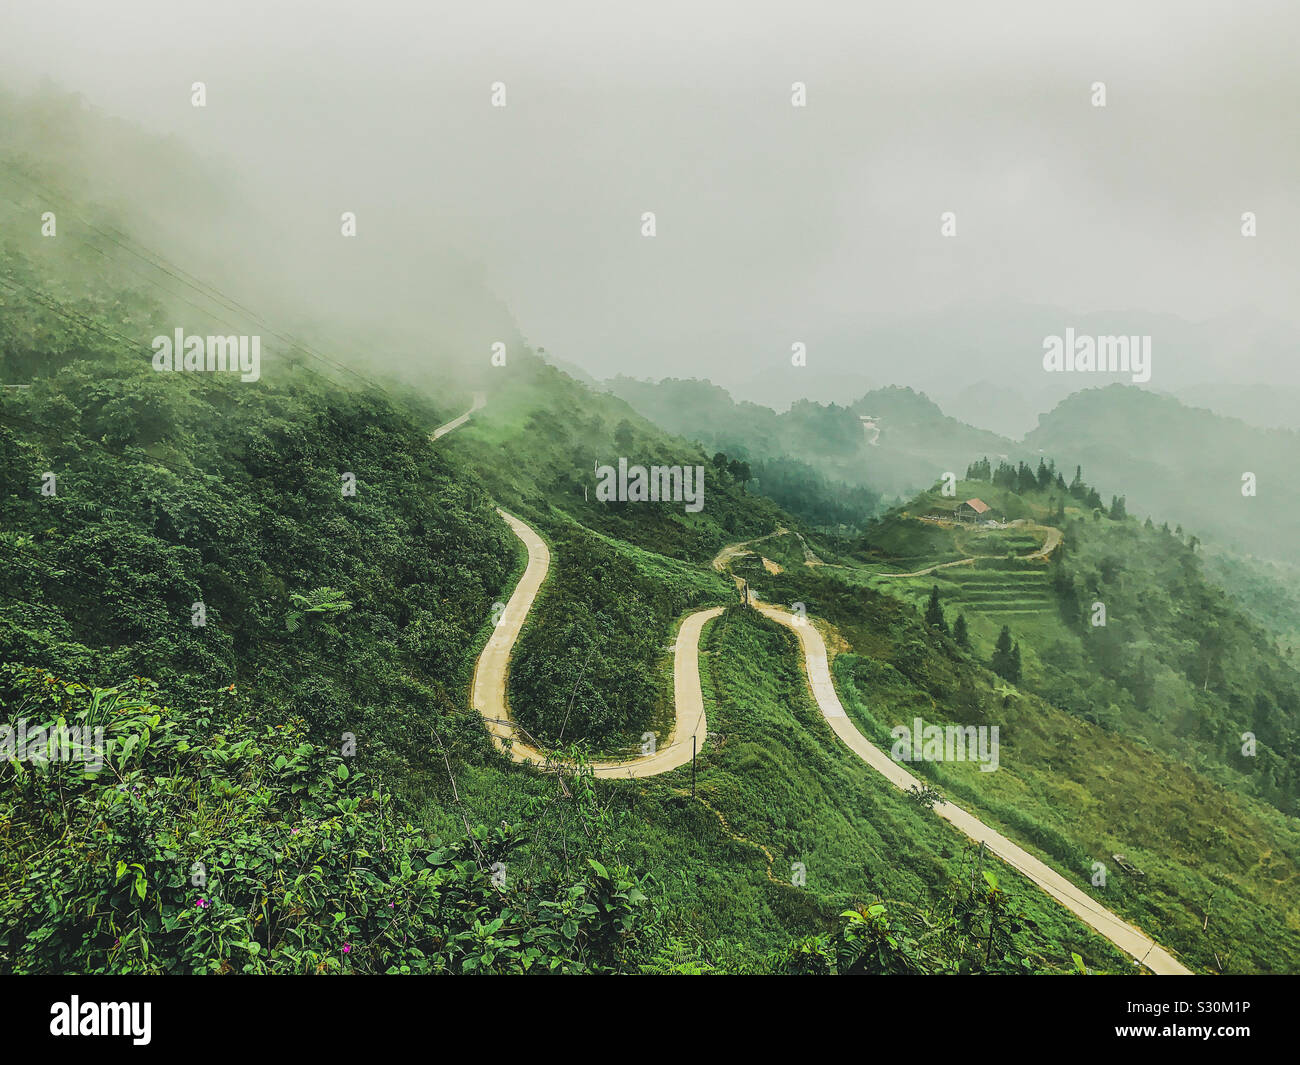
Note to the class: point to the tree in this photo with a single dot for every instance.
(1006, 657)
(1118, 512)
(1077, 488)
(317, 601)
(739, 471)
(926, 796)
(1144, 685)
(959, 632)
(1044, 475)
(934, 612)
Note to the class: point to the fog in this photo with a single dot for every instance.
(775, 224)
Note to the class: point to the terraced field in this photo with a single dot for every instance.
(1000, 593)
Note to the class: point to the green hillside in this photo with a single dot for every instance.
(1182, 464)
(272, 595)
(1083, 780)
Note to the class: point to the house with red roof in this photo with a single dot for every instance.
(971, 510)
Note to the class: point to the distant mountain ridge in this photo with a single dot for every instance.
(893, 440)
(1180, 464)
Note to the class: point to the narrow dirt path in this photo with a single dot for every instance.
(927, 572)
(1051, 541)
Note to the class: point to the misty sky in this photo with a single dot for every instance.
(775, 224)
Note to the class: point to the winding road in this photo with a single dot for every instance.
(480, 399)
(1123, 935)
(488, 697)
(488, 691)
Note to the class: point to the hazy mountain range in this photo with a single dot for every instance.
(1178, 463)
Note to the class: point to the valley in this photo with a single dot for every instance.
(412, 652)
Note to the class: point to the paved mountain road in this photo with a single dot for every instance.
(488, 691)
(1123, 935)
(488, 696)
(480, 399)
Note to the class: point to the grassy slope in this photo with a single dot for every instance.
(1074, 792)
(622, 574)
(782, 781)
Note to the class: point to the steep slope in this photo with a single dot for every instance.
(207, 533)
(1072, 793)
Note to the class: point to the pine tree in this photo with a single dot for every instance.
(1003, 663)
(934, 612)
(959, 632)
(1014, 675)
(1044, 474)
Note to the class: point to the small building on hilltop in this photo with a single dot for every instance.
(971, 510)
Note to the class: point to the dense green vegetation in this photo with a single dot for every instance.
(281, 666)
(588, 666)
(245, 847)
(1082, 779)
(1269, 592)
(538, 441)
(187, 511)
